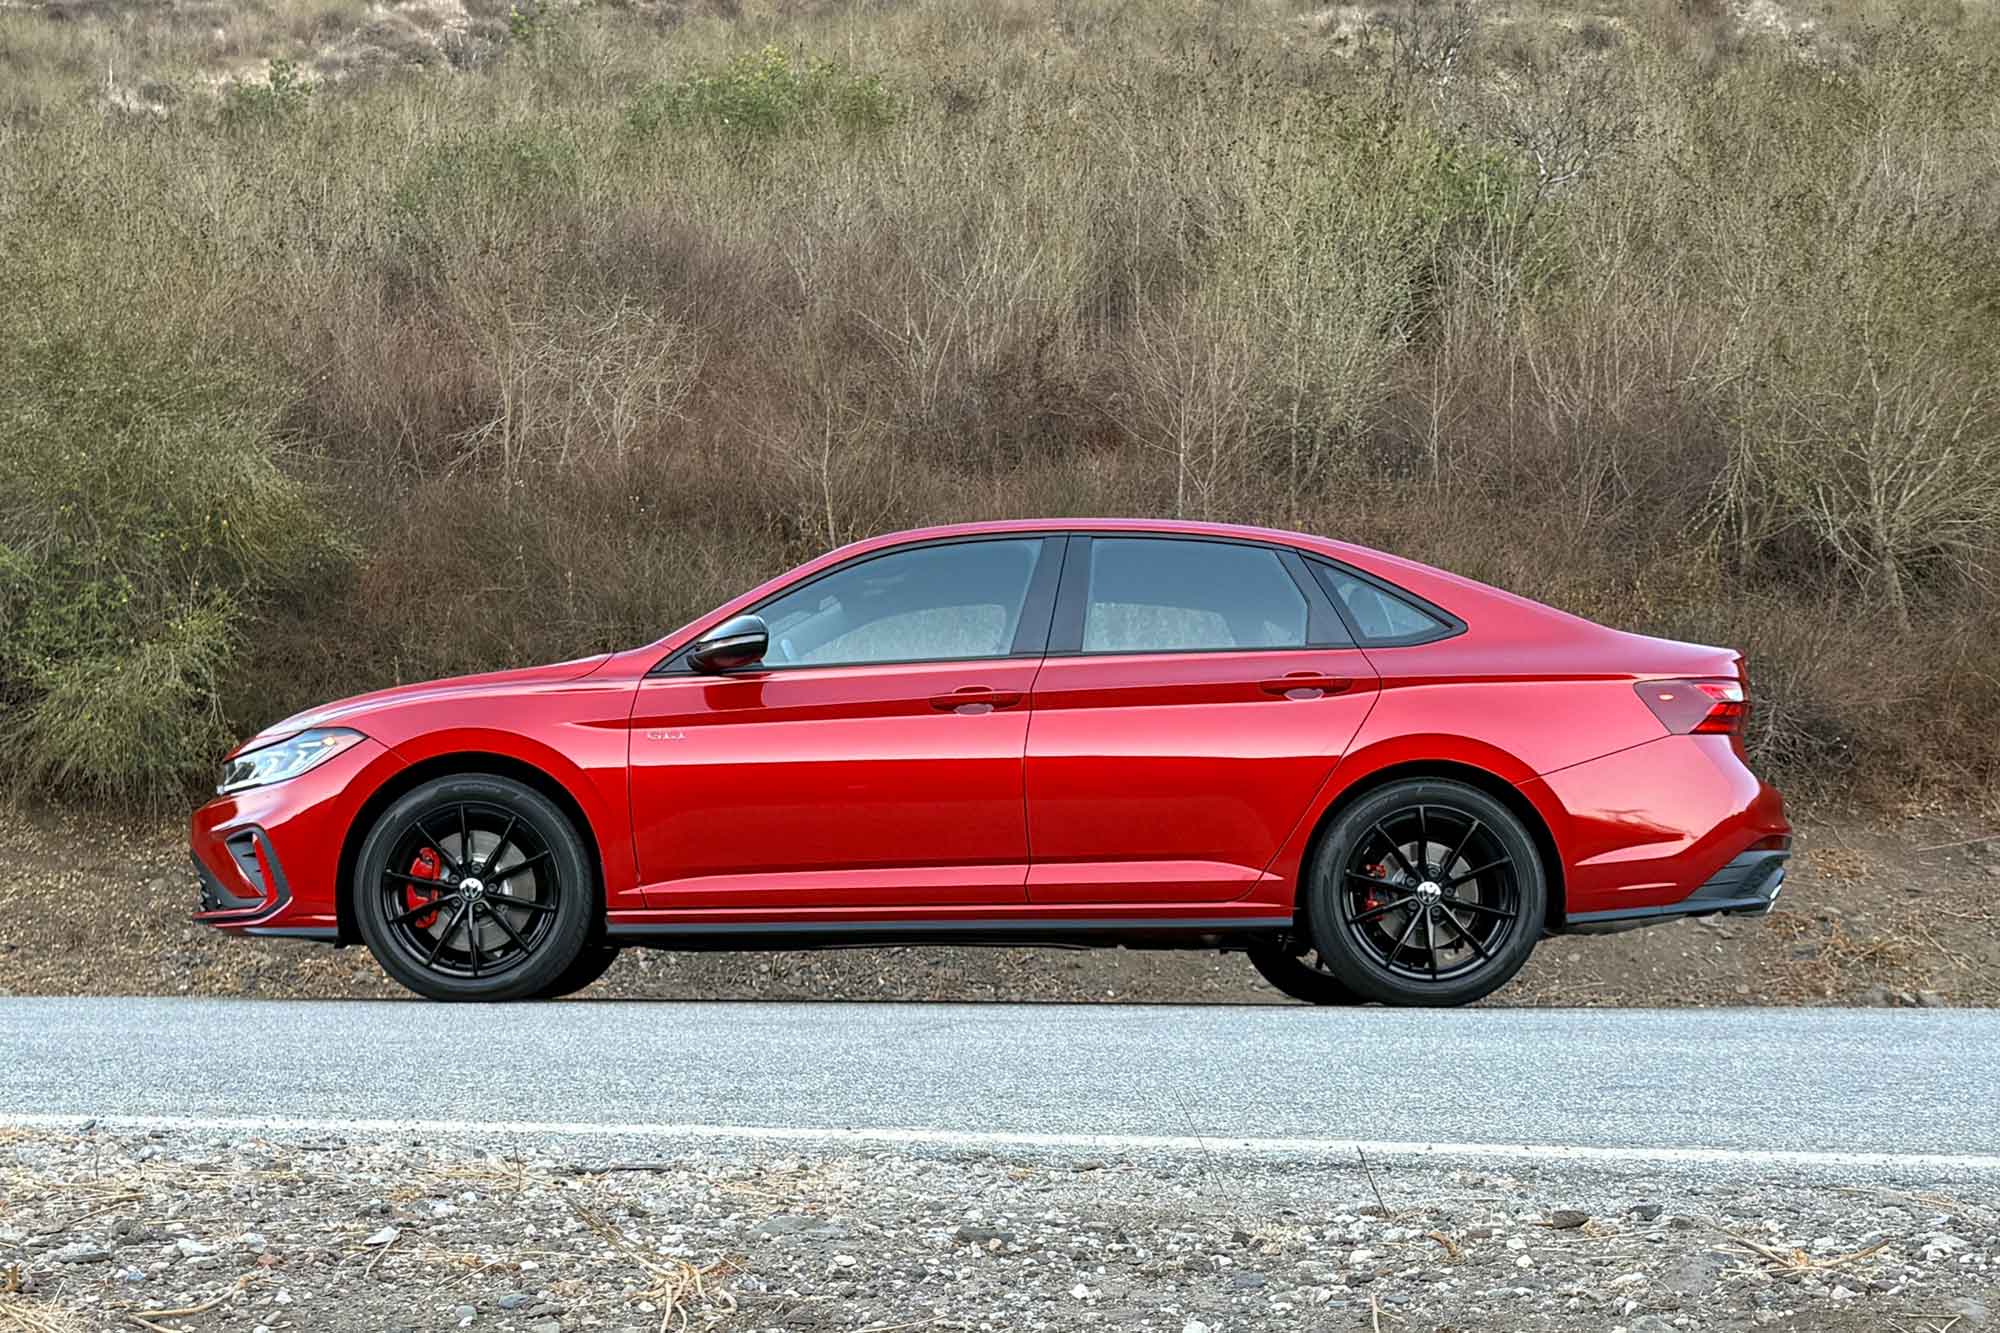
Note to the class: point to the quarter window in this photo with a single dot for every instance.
(1157, 595)
(928, 603)
(1378, 615)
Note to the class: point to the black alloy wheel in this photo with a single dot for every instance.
(1426, 893)
(1296, 968)
(475, 888)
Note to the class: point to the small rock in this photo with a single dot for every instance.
(193, 1249)
(1246, 1281)
(1567, 1219)
(1194, 1326)
(1517, 1242)
(793, 1224)
(545, 1326)
(253, 1242)
(1972, 1312)
(1942, 1245)
(977, 1235)
(1645, 1212)
(81, 1252)
(1842, 1293)
(382, 1237)
(1360, 1258)
(514, 1300)
(464, 1314)
(1929, 999)
(1081, 1292)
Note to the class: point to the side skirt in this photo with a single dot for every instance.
(1057, 932)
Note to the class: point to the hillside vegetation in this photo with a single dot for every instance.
(551, 327)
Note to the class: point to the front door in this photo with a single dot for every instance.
(874, 759)
(1196, 695)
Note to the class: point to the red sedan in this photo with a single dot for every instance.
(1378, 780)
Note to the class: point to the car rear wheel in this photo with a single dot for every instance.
(592, 963)
(1300, 976)
(475, 887)
(1426, 893)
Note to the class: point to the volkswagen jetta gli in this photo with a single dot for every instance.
(1378, 780)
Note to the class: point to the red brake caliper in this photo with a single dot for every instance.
(1376, 871)
(424, 867)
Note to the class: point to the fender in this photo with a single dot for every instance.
(593, 775)
(1435, 750)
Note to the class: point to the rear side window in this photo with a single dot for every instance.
(1152, 595)
(1379, 617)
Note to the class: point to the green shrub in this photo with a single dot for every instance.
(144, 515)
(284, 95)
(138, 719)
(765, 94)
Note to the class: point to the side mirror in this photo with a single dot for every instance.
(738, 642)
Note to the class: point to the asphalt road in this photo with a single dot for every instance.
(1813, 1086)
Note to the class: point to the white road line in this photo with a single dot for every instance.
(1003, 1139)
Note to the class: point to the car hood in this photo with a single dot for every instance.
(350, 712)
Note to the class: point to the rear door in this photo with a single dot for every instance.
(1196, 694)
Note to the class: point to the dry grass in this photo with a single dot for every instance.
(1670, 323)
(30, 1315)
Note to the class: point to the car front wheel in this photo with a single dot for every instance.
(1426, 892)
(475, 887)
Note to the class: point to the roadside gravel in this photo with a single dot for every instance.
(108, 1230)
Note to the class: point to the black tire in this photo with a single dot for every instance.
(1426, 892)
(510, 941)
(1297, 976)
(592, 963)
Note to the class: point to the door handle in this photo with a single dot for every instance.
(975, 699)
(1305, 684)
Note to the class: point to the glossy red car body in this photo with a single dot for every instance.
(1131, 793)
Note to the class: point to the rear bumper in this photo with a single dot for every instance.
(1747, 886)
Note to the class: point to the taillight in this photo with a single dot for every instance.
(1713, 706)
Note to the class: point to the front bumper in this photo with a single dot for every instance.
(1747, 886)
(266, 860)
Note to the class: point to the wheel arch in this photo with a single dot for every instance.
(453, 764)
(1485, 780)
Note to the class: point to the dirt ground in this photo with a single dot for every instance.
(1885, 915)
(108, 1230)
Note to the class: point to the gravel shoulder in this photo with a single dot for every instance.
(1872, 915)
(101, 1230)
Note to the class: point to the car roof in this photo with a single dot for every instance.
(1367, 558)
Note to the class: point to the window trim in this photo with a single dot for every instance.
(1031, 633)
(1326, 629)
(1449, 625)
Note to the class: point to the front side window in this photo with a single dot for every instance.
(1158, 595)
(930, 603)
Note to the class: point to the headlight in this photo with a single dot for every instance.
(284, 759)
